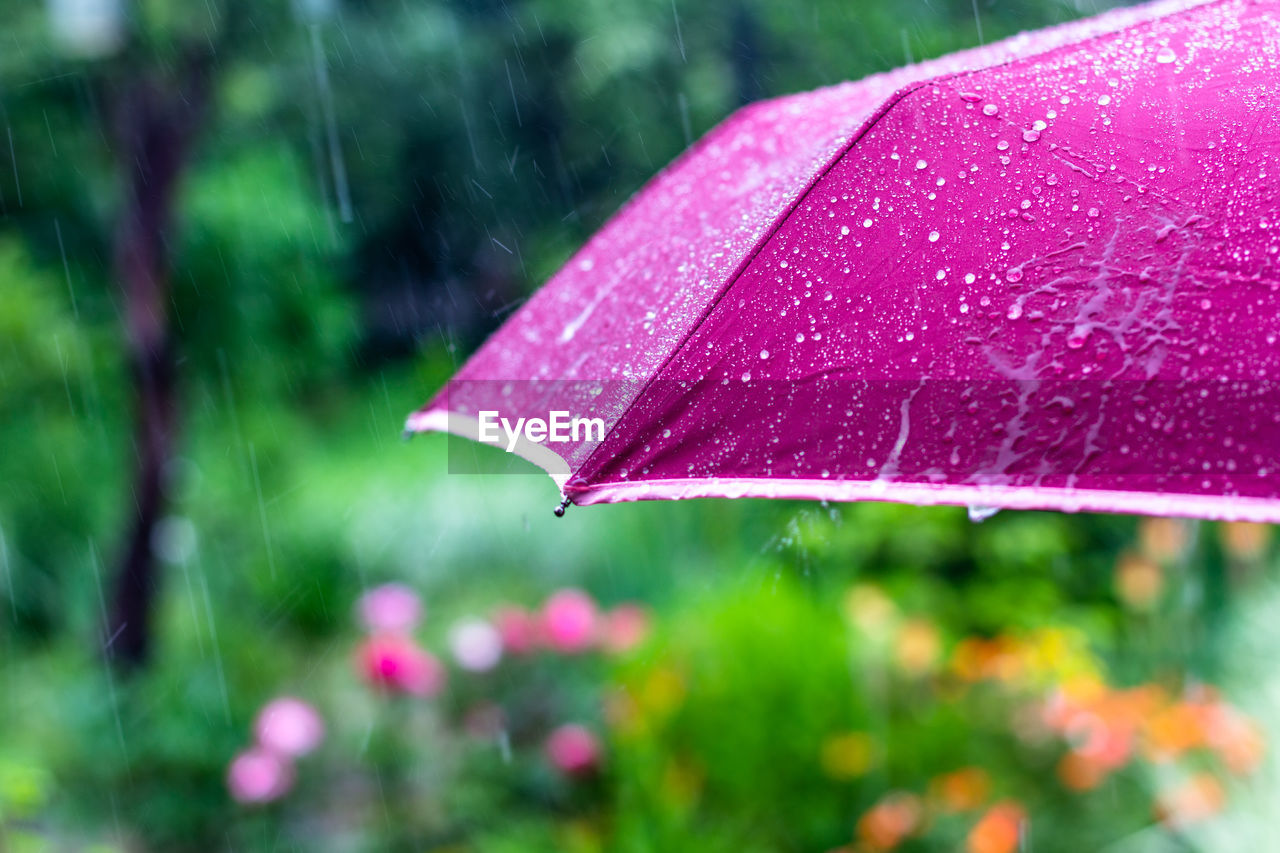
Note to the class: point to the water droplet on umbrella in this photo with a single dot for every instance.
(990, 110)
(933, 236)
(920, 164)
(1166, 55)
(1014, 274)
(1030, 135)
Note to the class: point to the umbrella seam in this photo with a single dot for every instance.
(866, 126)
(893, 100)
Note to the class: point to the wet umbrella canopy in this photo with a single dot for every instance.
(1040, 274)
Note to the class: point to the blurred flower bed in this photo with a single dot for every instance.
(746, 715)
(957, 693)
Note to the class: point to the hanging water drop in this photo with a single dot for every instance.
(979, 513)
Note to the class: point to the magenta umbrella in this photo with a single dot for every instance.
(1040, 274)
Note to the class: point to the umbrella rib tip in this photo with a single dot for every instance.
(564, 505)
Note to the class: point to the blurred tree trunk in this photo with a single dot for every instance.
(154, 121)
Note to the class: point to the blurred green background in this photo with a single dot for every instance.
(239, 242)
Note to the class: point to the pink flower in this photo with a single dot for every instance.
(392, 608)
(573, 750)
(625, 627)
(476, 645)
(400, 665)
(518, 628)
(259, 775)
(569, 621)
(289, 727)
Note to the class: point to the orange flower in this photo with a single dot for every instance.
(1244, 540)
(888, 822)
(918, 647)
(976, 658)
(999, 830)
(1162, 538)
(1138, 581)
(1198, 798)
(963, 789)
(1011, 659)
(1174, 730)
(1080, 773)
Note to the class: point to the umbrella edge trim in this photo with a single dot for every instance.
(1210, 507)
